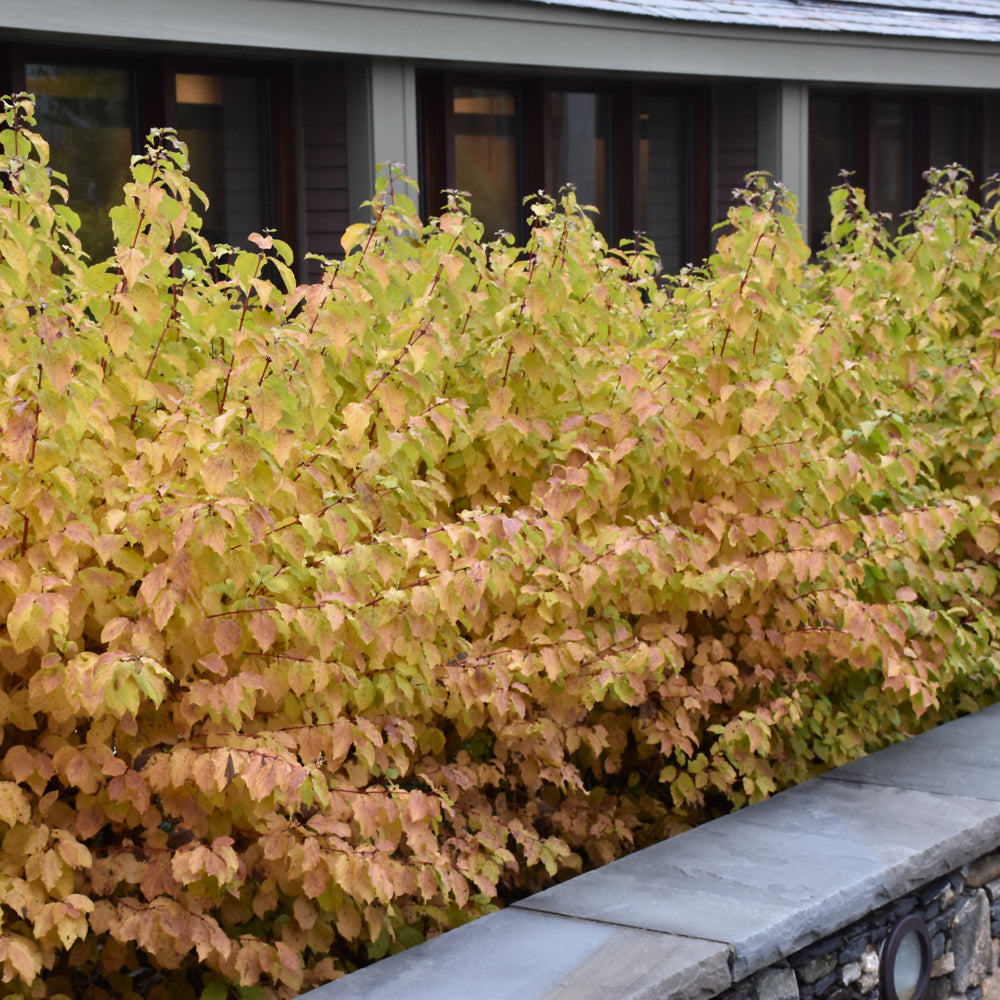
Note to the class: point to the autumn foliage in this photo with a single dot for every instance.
(335, 614)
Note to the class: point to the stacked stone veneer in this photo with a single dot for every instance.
(789, 899)
(962, 913)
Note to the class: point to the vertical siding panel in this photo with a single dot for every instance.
(736, 131)
(324, 159)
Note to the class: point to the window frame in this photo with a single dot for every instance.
(919, 104)
(151, 74)
(436, 88)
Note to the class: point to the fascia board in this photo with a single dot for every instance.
(512, 34)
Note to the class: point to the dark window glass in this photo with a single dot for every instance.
(661, 194)
(485, 137)
(628, 151)
(221, 120)
(891, 157)
(86, 114)
(950, 133)
(579, 129)
(831, 150)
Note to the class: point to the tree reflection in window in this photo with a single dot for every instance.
(87, 116)
(486, 155)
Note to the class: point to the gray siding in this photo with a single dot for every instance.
(737, 151)
(326, 205)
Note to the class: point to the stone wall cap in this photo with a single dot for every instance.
(520, 955)
(958, 758)
(776, 876)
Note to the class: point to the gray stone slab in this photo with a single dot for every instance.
(778, 875)
(960, 758)
(521, 955)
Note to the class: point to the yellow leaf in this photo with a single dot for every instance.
(51, 869)
(154, 581)
(59, 369)
(117, 330)
(107, 545)
(442, 422)
(356, 417)
(393, 401)
(263, 288)
(71, 929)
(354, 236)
(146, 301)
(14, 805)
(26, 622)
(23, 956)
(844, 296)
(216, 473)
(227, 636)
(341, 740)
(18, 434)
(131, 261)
(988, 538)
(214, 663)
(266, 407)
(348, 922)
(264, 630)
(799, 368)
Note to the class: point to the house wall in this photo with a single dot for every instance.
(322, 115)
(784, 137)
(737, 140)
(381, 47)
(525, 34)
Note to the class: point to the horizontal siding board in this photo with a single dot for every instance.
(324, 160)
(737, 152)
(330, 200)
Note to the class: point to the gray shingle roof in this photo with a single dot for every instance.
(974, 20)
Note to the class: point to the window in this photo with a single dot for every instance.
(629, 150)
(87, 115)
(221, 118)
(831, 150)
(95, 112)
(485, 154)
(892, 156)
(888, 141)
(579, 132)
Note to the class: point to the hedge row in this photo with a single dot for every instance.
(336, 614)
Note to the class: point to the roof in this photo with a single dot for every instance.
(968, 20)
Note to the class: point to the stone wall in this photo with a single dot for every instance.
(962, 913)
